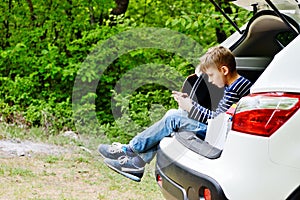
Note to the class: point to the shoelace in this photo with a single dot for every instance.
(123, 160)
(115, 147)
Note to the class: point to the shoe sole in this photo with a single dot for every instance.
(127, 175)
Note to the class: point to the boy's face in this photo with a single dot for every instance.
(216, 77)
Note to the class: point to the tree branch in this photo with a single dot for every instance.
(121, 8)
(30, 4)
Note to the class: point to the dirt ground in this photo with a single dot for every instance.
(11, 148)
(30, 170)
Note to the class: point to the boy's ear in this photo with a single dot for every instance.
(225, 70)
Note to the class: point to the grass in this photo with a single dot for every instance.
(77, 174)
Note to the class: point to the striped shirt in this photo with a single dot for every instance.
(232, 94)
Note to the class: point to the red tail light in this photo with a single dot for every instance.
(263, 114)
(159, 180)
(207, 194)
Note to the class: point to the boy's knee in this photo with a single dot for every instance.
(177, 112)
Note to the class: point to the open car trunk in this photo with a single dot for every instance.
(254, 47)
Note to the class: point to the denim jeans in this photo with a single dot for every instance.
(146, 142)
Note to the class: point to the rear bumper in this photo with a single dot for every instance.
(169, 188)
(241, 172)
(179, 182)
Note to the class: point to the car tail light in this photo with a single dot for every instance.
(205, 193)
(159, 180)
(262, 114)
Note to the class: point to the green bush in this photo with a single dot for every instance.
(44, 48)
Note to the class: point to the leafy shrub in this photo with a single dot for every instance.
(44, 48)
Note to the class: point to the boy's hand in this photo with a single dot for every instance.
(176, 93)
(183, 100)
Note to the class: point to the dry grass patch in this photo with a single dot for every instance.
(78, 175)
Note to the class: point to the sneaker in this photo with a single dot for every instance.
(126, 167)
(113, 151)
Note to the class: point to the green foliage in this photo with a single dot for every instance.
(44, 46)
(145, 109)
(15, 171)
(51, 159)
(202, 24)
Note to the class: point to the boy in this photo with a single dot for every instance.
(220, 66)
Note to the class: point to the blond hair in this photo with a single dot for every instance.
(217, 56)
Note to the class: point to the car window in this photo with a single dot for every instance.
(284, 38)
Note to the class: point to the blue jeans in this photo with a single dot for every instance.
(146, 142)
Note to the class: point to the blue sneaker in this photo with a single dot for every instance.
(125, 166)
(115, 150)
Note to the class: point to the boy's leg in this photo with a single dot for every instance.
(145, 140)
(144, 145)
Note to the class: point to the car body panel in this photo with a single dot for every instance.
(245, 171)
(286, 153)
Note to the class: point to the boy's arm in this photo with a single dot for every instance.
(231, 96)
(200, 113)
(196, 86)
(183, 100)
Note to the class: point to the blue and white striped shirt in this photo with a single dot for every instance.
(232, 94)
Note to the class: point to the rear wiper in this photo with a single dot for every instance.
(226, 16)
(281, 16)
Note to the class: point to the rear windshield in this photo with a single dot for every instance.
(284, 38)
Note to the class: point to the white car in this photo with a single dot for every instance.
(257, 153)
